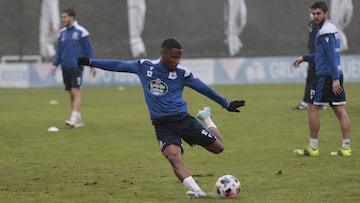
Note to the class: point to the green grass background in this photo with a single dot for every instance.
(115, 157)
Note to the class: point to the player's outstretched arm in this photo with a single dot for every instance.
(234, 105)
(111, 64)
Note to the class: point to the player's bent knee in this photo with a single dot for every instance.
(216, 148)
(172, 152)
(219, 150)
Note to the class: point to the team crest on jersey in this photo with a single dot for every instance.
(327, 39)
(157, 87)
(75, 35)
(172, 75)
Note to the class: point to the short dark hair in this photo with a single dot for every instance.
(70, 12)
(170, 43)
(320, 4)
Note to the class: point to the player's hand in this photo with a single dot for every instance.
(83, 61)
(93, 71)
(53, 70)
(336, 87)
(297, 61)
(234, 105)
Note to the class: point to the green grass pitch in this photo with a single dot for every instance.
(115, 157)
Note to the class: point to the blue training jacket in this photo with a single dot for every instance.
(162, 88)
(73, 42)
(327, 52)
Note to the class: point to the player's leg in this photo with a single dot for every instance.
(314, 127)
(313, 121)
(217, 147)
(75, 99)
(67, 82)
(172, 150)
(306, 97)
(205, 115)
(75, 104)
(173, 153)
(344, 122)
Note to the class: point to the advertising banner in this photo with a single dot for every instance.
(252, 70)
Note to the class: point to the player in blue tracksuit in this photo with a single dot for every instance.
(73, 42)
(327, 55)
(163, 82)
(329, 87)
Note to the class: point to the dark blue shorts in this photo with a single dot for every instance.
(187, 128)
(322, 93)
(72, 77)
(310, 82)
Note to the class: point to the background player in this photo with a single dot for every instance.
(73, 42)
(329, 86)
(313, 28)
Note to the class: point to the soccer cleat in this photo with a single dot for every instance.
(69, 123)
(342, 152)
(195, 194)
(202, 114)
(75, 124)
(307, 152)
(300, 107)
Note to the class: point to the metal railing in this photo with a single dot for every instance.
(20, 59)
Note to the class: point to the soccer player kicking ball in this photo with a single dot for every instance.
(163, 82)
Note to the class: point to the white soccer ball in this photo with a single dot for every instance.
(227, 186)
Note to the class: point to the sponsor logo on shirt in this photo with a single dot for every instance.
(157, 87)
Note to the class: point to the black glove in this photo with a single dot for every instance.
(234, 105)
(83, 61)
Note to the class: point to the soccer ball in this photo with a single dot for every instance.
(227, 186)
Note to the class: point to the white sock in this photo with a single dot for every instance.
(190, 183)
(314, 143)
(346, 143)
(75, 115)
(209, 122)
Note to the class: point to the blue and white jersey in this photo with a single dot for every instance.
(327, 52)
(162, 88)
(73, 42)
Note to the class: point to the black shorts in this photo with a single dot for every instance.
(188, 128)
(310, 82)
(72, 77)
(322, 93)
